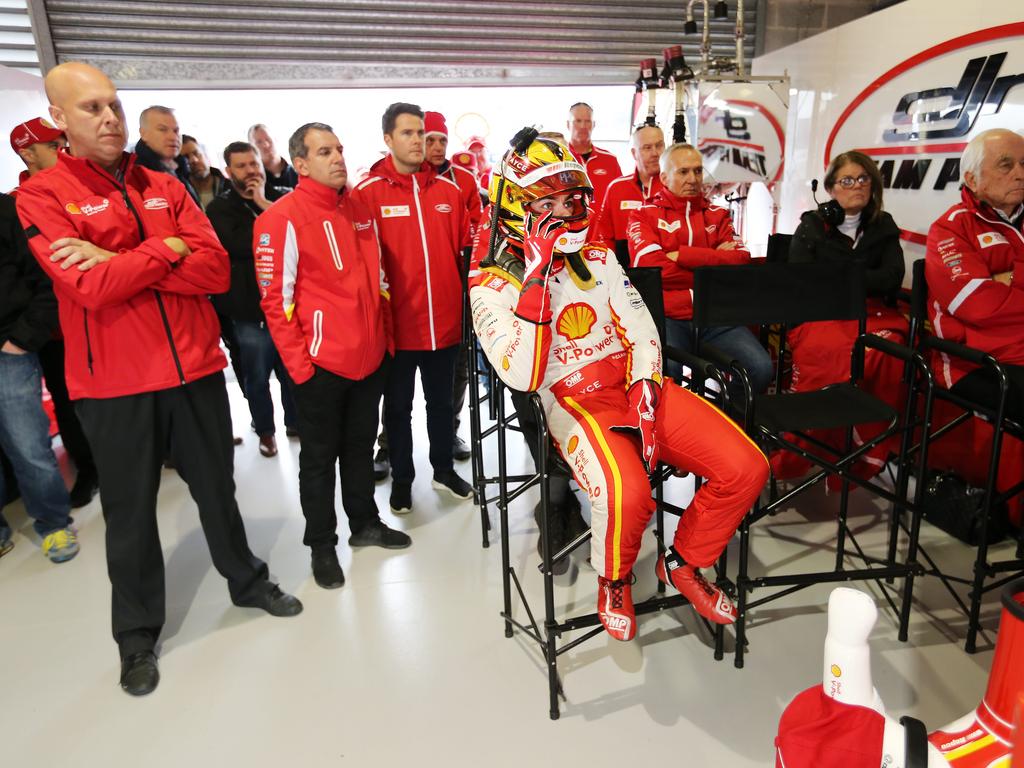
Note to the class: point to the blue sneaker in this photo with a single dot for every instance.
(60, 546)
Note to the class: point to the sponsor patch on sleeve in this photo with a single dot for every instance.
(629, 205)
(265, 238)
(497, 283)
(988, 239)
(669, 227)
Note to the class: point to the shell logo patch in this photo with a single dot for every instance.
(504, 364)
(73, 209)
(576, 320)
(836, 671)
(988, 239)
(391, 211)
(669, 227)
(574, 443)
(630, 205)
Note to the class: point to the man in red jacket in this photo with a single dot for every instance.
(133, 260)
(325, 300)
(975, 268)
(629, 193)
(422, 225)
(436, 148)
(679, 231)
(601, 165)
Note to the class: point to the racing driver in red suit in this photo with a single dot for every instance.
(555, 314)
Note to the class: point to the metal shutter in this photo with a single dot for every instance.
(17, 44)
(268, 43)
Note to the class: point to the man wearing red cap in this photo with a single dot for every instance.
(435, 144)
(37, 143)
(478, 149)
(601, 165)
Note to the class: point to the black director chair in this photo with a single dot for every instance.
(787, 294)
(511, 487)
(995, 414)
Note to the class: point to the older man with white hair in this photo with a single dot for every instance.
(975, 268)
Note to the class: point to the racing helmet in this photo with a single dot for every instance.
(546, 167)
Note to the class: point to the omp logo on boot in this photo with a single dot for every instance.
(916, 119)
(575, 321)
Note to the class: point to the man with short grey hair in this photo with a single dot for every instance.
(318, 266)
(974, 266)
(159, 146)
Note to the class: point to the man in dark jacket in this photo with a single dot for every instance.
(159, 146)
(133, 260)
(232, 215)
(28, 317)
(209, 183)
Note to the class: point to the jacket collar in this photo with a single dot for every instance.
(92, 174)
(385, 168)
(981, 208)
(655, 186)
(673, 202)
(319, 194)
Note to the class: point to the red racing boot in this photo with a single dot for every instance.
(615, 607)
(706, 598)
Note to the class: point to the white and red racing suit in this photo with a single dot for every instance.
(598, 343)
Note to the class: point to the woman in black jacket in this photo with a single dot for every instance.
(852, 225)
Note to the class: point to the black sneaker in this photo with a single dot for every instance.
(401, 498)
(326, 569)
(460, 451)
(453, 484)
(376, 534)
(381, 465)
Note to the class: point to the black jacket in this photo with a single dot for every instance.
(147, 158)
(28, 307)
(878, 247)
(233, 217)
(288, 179)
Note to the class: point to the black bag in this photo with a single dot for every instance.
(955, 507)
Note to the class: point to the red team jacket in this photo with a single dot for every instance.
(967, 245)
(691, 226)
(422, 227)
(466, 181)
(322, 290)
(623, 196)
(602, 168)
(141, 321)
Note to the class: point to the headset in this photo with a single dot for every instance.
(831, 212)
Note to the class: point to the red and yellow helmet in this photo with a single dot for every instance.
(546, 168)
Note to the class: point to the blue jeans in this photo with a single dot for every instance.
(25, 439)
(735, 341)
(259, 358)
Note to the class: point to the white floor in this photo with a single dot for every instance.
(408, 664)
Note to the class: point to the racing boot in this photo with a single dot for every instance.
(615, 607)
(706, 598)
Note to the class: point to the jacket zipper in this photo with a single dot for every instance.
(88, 343)
(426, 261)
(159, 298)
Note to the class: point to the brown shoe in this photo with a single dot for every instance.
(268, 446)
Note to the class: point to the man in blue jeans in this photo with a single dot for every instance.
(233, 214)
(28, 317)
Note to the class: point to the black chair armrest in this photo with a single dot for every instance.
(970, 354)
(699, 365)
(904, 353)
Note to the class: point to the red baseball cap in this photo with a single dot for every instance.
(475, 141)
(817, 731)
(466, 160)
(433, 122)
(34, 131)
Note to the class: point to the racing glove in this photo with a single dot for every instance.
(643, 396)
(538, 250)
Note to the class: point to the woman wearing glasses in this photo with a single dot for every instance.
(851, 226)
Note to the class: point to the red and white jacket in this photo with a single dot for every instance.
(141, 321)
(693, 228)
(322, 289)
(466, 180)
(623, 196)
(602, 168)
(421, 223)
(603, 337)
(967, 245)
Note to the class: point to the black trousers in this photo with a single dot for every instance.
(51, 358)
(338, 423)
(460, 386)
(982, 386)
(130, 436)
(437, 371)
